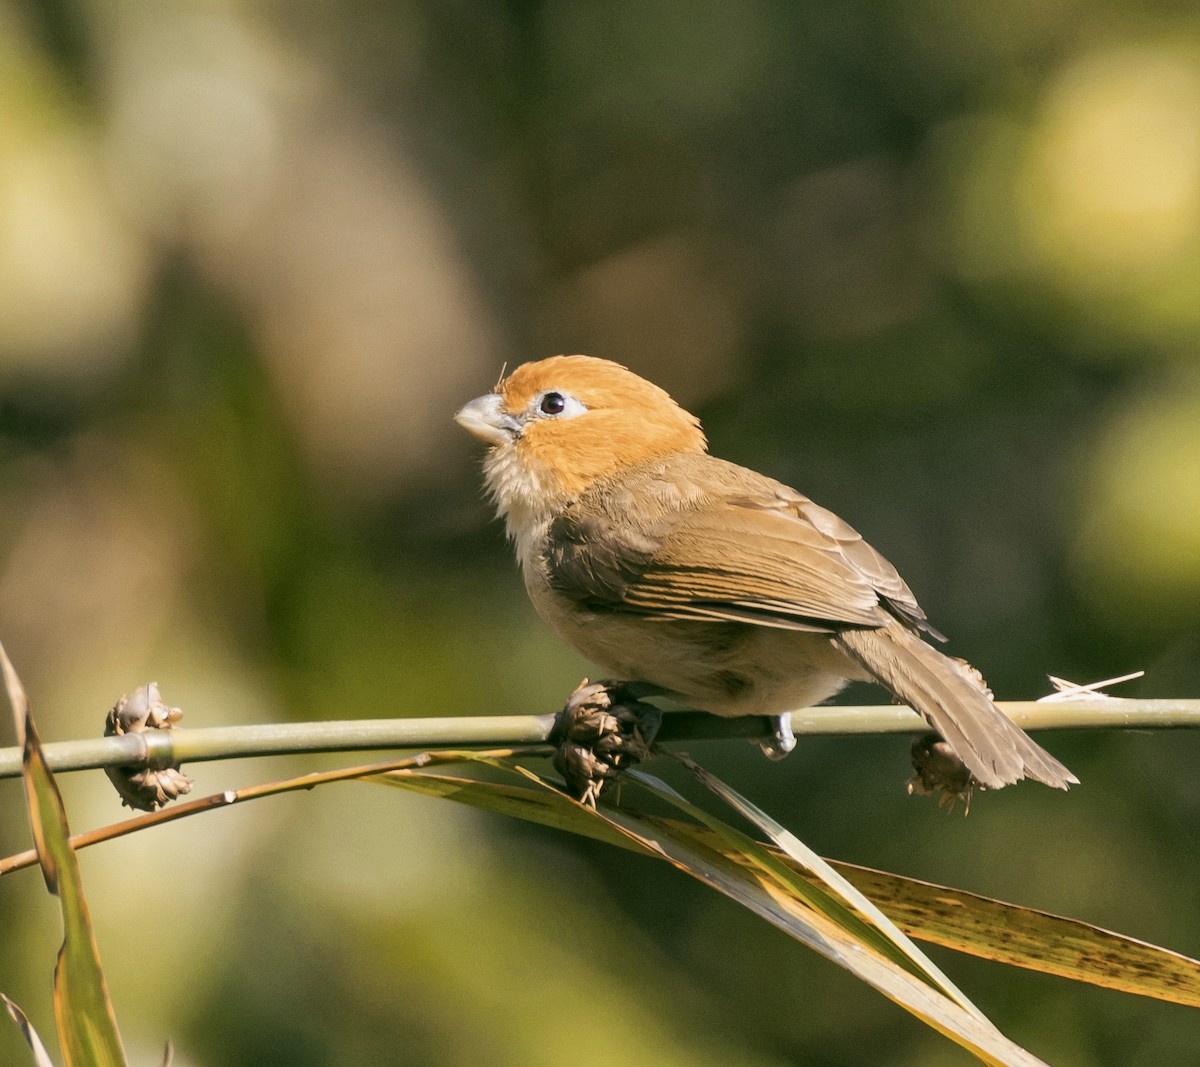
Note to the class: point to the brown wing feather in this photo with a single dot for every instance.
(723, 544)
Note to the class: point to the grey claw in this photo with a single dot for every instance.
(782, 741)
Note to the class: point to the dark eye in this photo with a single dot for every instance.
(552, 404)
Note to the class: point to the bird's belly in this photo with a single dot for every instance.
(727, 668)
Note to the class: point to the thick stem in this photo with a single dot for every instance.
(163, 747)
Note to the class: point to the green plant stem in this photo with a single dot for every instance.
(164, 747)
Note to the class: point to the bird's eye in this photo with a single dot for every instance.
(555, 405)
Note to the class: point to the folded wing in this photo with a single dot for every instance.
(761, 553)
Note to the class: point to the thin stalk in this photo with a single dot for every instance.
(165, 747)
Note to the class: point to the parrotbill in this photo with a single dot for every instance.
(723, 587)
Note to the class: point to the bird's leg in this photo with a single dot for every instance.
(603, 728)
(782, 741)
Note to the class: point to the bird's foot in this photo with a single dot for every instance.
(782, 739)
(940, 770)
(604, 728)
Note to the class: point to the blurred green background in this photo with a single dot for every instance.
(935, 264)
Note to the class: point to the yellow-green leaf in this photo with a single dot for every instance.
(743, 878)
(1025, 937)
(87, 1026)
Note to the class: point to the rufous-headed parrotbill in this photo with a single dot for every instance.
(729, 590)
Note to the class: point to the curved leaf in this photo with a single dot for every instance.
(87, 1026)
(741, 877)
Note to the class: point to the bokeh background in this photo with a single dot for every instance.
(935, 264)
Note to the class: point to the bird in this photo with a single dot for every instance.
(719, 586)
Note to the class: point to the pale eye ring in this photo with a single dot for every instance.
(552, 404)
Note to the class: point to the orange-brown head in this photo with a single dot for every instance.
(558, 425)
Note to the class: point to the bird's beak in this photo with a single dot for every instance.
(483, 418)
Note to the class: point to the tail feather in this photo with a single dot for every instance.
(956, 704)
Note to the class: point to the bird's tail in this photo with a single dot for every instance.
(953, 699)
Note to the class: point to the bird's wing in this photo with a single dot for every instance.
(730, 546)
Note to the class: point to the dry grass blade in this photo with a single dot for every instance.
(41, 1057)
(87, 1025)
(20, 860)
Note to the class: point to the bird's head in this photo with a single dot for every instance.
(558, 425)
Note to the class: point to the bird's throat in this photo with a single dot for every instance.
(526, 498)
